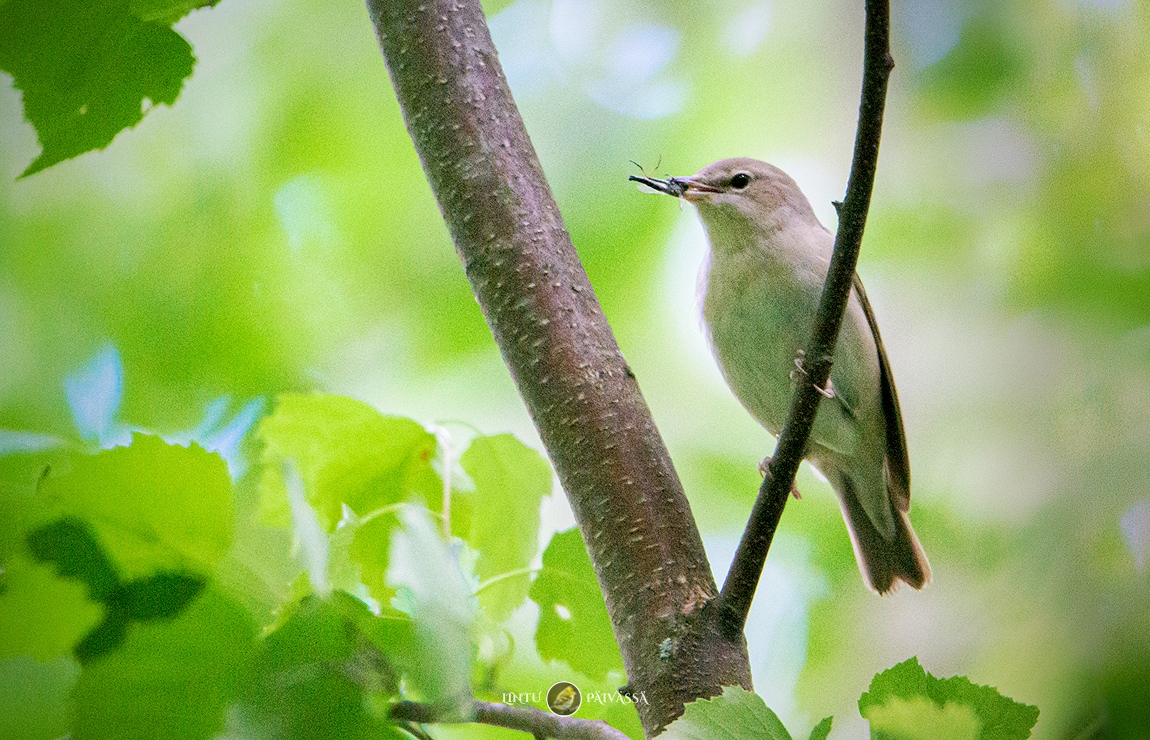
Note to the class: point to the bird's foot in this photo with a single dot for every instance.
(765, 470)
(800, 355)
(800, 369)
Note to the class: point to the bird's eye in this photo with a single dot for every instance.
(740, 181)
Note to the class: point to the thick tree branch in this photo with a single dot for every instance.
(548, 324)
(525, 719)
(743, 577)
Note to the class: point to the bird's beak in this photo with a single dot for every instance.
(687, 188)
(692, 189)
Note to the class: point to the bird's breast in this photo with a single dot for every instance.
(758, 312)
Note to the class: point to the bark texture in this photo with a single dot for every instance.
(545, 317)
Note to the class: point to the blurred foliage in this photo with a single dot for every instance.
(159, 627)
(171, 678)
(271, 232)
(506, 538)
(347, 454)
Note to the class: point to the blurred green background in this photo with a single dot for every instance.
(273, 231)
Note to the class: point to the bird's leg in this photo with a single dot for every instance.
(828, 392)
(765, 470)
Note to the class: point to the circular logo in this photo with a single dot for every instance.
(564, 698)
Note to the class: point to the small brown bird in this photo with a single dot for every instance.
(768, 260)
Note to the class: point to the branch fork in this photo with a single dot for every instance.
(581, 394)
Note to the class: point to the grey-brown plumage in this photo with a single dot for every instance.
(768, 260)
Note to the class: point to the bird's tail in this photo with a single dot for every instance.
(883, 562)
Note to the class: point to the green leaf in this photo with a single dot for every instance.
(89, 70)
(324, 668)
(370, 549)
(573, 623)
(434, 592)
(303, 688)
(153, 506)
(347, 453)
(905, 702)
(167, 11)
(822, 729)
(172, 679)
(42, 615)
(510, 481)
(34, 697)
(70, 544)
(737, 714)
(21, 474)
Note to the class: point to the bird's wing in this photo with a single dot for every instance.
(897, 460)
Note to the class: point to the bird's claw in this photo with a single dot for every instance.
(800, 369)
(765, 471)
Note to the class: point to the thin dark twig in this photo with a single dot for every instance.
(537, 722)
(743, 577)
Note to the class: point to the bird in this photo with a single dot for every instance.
(564, 701)
(767, 262)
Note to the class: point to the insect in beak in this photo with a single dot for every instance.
(672, 186)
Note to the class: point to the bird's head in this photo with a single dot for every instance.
(744, 187)
(741, 195)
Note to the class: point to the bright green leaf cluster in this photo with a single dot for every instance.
(116, 559)
(367, 477)
(354, 459)
(365, 474)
